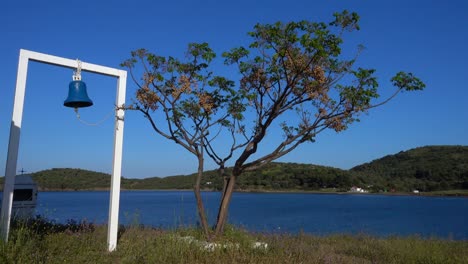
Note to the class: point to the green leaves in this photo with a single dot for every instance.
(235, 55)
(357, 97)
(222, 83)
(407, 81)
(202, 50)
(346, 20)
(366, 80)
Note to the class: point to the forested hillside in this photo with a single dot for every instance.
(71, 179)
(426, 169)
(66, 179)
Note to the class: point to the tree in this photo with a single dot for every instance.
(293, 77)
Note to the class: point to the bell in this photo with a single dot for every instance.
(77, 95)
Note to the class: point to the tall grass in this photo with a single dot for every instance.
(78, 242)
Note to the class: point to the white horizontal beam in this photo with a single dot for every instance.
(54, 60)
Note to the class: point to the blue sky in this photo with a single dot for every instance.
(428, 38)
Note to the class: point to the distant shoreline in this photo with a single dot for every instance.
(448, 193)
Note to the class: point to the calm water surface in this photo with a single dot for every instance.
(321, 214)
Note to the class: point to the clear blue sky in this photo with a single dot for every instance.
(428, 38)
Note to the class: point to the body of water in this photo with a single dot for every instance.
(320, 214)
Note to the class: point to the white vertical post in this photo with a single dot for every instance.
(13, 145)
(117, 165)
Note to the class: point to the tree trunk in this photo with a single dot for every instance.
(198, 197)
(224, 205)
(225, 184)
(225, 179)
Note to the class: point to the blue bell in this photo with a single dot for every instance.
(77, 95)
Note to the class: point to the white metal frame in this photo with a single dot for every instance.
(13, 145)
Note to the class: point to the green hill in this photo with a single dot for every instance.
(170, 182)
(66, 179)
(278, 176)
(71, 179)
(426, 168)
(431, 168)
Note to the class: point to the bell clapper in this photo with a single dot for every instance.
(77, 114)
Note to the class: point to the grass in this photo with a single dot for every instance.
(78, 242)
